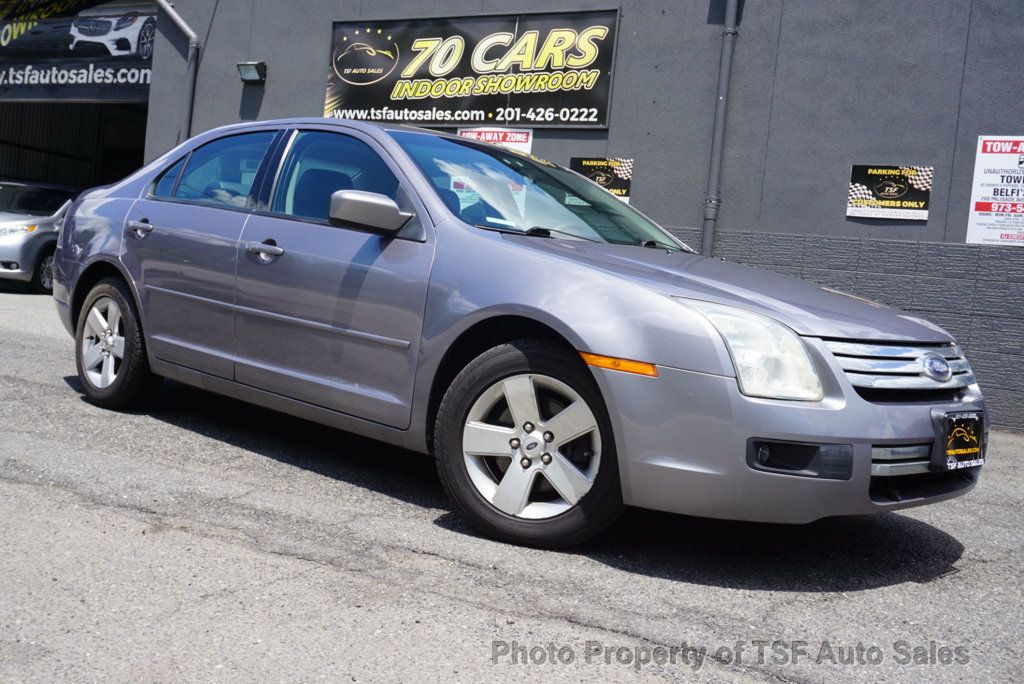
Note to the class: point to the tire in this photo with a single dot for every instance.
(127, 381)
(42, 276)
(145, 40)
(548, 495)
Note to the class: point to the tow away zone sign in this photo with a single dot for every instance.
(997, 196)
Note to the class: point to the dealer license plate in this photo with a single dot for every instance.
(963, 448)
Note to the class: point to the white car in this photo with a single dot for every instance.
(121, 29)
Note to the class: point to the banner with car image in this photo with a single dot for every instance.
(535, 70)
(76, 50)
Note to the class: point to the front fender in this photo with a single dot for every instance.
(480, 274)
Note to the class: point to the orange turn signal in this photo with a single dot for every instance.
(624, 365)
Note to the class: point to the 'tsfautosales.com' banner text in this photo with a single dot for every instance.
(76, 49)
(537, 70)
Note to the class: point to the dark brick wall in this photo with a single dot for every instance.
(976, 293)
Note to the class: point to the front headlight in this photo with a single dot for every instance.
(770, 359)
(15, 228)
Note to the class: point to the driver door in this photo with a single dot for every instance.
(330, 315)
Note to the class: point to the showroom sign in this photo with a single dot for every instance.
(538, 70)
(76, 50)
(997, 196)
(888, 191)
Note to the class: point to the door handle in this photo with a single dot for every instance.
(265, 251)
(140, 228)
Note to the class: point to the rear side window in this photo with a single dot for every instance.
(321, 163)
(221, 172)
(164, 187)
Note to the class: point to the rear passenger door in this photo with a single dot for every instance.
(180, 244)
(333, 316)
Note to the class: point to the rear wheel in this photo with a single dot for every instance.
(42, 277)
(524, 446)
(111, 355)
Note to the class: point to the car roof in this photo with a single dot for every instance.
(324, 120)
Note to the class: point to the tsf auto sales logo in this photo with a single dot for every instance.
(365, 57)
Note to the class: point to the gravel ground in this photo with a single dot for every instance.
(208, 539)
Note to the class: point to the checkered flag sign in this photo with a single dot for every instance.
(858, 191)
(922, 180)
(623, 168)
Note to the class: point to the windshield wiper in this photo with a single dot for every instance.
(541, 231)
(654, 244)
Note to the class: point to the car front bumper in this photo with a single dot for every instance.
(684, 442)
(20, 252)
(117, 43)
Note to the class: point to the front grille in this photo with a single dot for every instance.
(93, 27)
(896, 372)
(893, 461)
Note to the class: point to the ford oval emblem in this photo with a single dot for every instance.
(936, 367)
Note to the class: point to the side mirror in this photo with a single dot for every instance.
(367, 211)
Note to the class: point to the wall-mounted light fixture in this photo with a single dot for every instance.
(252, 72)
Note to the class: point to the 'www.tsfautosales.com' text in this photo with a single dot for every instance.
(754, 652)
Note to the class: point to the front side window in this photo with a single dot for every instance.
(222, 172)
(321, 163)
(501, 190)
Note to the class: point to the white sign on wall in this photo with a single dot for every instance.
(518, 139)
(997, 196)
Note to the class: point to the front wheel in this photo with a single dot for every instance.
(524, 446)
(110, 351)
(42, 277)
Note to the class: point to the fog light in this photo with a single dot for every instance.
(824, 461)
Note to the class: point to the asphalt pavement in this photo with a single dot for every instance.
(206, 539)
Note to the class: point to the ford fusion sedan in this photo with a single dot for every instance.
(30, 214)
(557, 353)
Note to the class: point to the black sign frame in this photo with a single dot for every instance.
(577, 106)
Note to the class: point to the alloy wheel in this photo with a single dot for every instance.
(532, 446)
(145, 48)
(46, 272)
(103, 343)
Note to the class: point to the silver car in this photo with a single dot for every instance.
(558, 353)
(30, 214)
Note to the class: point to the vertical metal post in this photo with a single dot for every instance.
(191, 68)
(713, 199)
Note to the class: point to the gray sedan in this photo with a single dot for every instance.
(30, 215)
(558, 353)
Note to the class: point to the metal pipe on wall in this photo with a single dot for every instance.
(713, 199)
(191, 68)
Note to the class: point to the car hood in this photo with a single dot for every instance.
(803, 306)
(12, 217)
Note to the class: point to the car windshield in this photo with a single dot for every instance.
(502, 190)
(25, 199)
